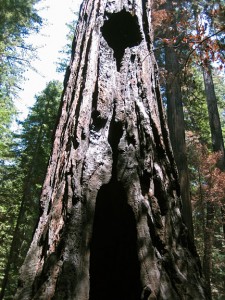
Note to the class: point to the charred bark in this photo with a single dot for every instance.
(111, 226)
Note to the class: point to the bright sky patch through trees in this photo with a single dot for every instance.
(50, 40)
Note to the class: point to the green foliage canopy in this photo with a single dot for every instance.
(18, 19)
(21, 184)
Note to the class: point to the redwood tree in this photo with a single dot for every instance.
(217, 146)
(111, 226)
(170, 50)
(175, 113)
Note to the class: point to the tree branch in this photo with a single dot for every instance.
(200, 43)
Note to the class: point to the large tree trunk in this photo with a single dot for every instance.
(111, 226)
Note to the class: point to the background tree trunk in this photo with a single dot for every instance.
(111, 226)
(176, 125)
(25, 224)
(215, 125)
(217, 146)
(175, 114)
(214, 118)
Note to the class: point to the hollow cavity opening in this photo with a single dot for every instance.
(114, 264)
(120, 31)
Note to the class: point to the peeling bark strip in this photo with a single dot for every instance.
(111, 226)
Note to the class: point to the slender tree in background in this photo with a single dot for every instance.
(111, 226)
(35, 145)
(217, 146)
(214, 119)
(176, 31)
(175, 112)
(10, 191)
(205, 23)
(18, 19)
(208, 187)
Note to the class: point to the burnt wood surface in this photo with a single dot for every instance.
(111, 224)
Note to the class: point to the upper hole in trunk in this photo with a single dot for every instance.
(121, 31)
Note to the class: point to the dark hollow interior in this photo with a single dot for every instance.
(121, 31)
(114, 265)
